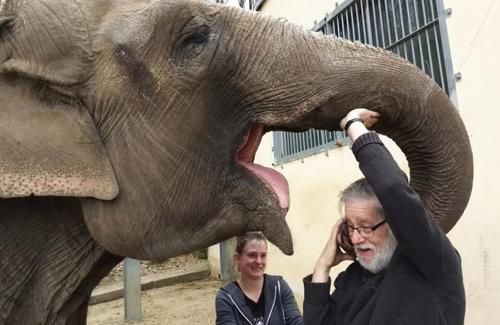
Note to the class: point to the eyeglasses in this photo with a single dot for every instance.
(365, 232)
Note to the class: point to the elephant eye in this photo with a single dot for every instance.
(200, 36)
(193, 45)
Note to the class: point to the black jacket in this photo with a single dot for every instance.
(280, 305)
(423, 283)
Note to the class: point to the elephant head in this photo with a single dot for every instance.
(151, 112)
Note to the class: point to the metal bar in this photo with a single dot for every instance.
(281, 145)
(323, 137)
(403, 31)
(276, 144)
(422, 62)
(445, 46)
(388, 23)
(292, 143)
(357, 20)
(289, 144)
(401, 19)
(296, 139)
(394, 21)
(132, 291)
(279, 141)
(430, 54)
(338, 29)
(298, 144)
(295, 144)
(343, 25)
(417, 19)
(439, 57)
(374, 13)
(286, 145)
(410, 29)
(433, 13)
(381, 23)
(354, 37)
(363, 21)
(320, 137)
(424, 14)
(368, 23)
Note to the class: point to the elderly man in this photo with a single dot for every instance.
(406, 270)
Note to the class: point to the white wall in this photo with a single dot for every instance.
(473, 29)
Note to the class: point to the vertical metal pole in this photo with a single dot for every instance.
(419, 36)
(374, 15)
(445, 44)
(353, 25)
(403, 31)
(357, 21)
(277, 147)
(410, 30)
(382, 29)
(364, 22)
(226, 261)
(368, 24)
(132, 293)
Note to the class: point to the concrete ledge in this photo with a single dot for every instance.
(115, 291)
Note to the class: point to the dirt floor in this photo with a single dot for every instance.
(183, 304)
(186, 303)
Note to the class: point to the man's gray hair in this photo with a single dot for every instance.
(360, 190)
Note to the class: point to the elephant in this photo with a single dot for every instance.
(130, 127)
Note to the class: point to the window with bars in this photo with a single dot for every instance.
(413, 29)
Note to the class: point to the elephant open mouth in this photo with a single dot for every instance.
(245, 156)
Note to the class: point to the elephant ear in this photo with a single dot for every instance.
(49, 142)
(50, 149)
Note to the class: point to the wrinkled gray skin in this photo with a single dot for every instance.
(120, 124)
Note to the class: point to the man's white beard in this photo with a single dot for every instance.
(382, 255)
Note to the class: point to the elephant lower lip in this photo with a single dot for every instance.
(275, 181)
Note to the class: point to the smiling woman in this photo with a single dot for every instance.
(255, 298)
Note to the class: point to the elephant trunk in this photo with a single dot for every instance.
(337, 75)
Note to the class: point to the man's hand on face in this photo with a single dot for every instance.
(331, 255)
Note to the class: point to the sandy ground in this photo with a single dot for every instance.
(183, 304)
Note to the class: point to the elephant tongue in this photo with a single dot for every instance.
(273, 179)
